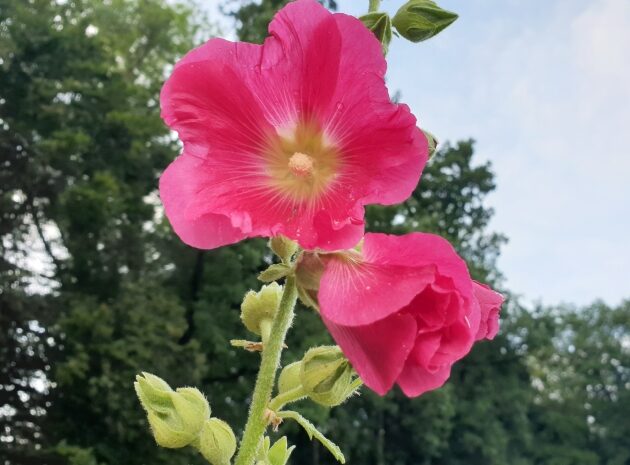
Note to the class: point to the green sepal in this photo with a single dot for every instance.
(381, 25)
(279, 453)
(217, 442)
(261, 306)
(289, 378)
(175, 417)
(283, 247)
(326, 375)
(275, 272)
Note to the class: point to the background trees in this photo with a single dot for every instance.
(94, 286)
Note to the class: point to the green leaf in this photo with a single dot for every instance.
(313, 432)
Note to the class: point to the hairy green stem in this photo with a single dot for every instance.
(286, 398)
(272, 349)
(374, 5)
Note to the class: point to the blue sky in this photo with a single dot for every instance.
(544, 88)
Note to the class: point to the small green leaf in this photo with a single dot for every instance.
(274, 272)
(313, 432)
(381, 25)
(279, 453)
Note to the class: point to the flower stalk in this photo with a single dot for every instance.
(374, 5)
(256, 422)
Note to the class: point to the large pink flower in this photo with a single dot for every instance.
(290, 137)
(404, 309)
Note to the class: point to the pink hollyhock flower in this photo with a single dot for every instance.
(291, 137)
(404, 310)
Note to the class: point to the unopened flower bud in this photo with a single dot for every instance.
(283, 248)
(176, 417)
(289, 378)
(217, 442)
(381, 25)
(419, 20)
(261, 306)
(432, 141)
(327, 376)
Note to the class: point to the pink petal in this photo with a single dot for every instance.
(353, 294)
(209, 103)
(457, 340)
(426, 345)
(490, 306)
(416, 380)
(179, 186)
(377, 351)
(385, 150)
(394, 270)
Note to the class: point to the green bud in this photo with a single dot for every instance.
(433, 142)
(217, 442)
(176, 417)
(289, 378)
(283, 248)
(260, 307)
(327, 376)
(381, 25)
(419, 20)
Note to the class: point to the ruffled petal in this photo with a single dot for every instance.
(209, 103)
(490, 306)
(415, 380)
(384, 149)
(377, 351)
(355, 294)
(179, 188)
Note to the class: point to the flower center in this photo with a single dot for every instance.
(301, 164)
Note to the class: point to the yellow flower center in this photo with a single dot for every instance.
(301, 163)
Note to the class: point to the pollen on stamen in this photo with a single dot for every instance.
(301, 164)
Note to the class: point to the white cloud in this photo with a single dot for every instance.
(563, 197)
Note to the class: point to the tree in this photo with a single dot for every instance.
(82, 146)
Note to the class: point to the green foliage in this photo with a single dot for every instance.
(105, 346)
(253, 17)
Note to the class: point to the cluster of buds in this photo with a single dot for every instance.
(181, 418)
(416, 20)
